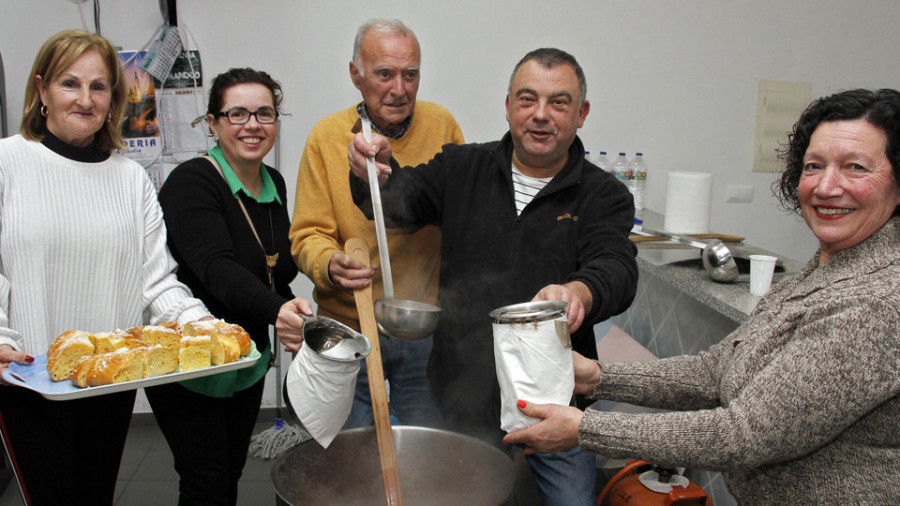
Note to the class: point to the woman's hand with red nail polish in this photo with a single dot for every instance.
(557, 430)
(8, 354)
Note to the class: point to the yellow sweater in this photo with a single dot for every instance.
(325, 215)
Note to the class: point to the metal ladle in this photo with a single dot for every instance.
(403, 319)
(717, 258)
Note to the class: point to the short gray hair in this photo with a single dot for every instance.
(550, 57)
(382, 26)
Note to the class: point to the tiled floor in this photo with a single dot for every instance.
(147, 476)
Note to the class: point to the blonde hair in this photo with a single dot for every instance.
(58, 54)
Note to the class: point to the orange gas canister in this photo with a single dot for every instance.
(642, 483)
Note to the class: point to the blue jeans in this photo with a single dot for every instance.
(567, 478)
(410, 398)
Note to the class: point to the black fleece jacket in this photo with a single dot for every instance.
(575, 229)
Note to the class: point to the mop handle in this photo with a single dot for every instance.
(277, 367)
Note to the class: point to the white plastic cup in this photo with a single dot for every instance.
(761, 269)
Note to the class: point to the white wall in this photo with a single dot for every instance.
(674, 79)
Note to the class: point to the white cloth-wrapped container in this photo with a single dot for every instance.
(534, 363)
(321, 393)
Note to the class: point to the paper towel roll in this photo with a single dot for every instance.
(687, 202)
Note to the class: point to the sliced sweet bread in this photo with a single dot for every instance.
(194, 353)
(165, 336)
(117, 367)
(159, 360)
(65, 350)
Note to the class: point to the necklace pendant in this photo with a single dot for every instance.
(271, 260)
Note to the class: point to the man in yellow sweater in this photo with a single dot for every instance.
(385, 69)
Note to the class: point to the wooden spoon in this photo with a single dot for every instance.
(358, 249)
(721, 237)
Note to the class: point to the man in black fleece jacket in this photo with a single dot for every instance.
(523, 218)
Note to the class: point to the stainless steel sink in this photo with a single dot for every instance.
(676, 255)
(661, 255)
(741, 258)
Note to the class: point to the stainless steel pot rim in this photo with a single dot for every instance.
(529, 311)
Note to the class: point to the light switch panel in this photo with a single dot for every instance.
(779, 105)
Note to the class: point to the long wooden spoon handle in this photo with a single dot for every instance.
(359, 250)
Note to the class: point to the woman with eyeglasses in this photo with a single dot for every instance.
(228, 227)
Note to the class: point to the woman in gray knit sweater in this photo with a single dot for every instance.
(800, 404)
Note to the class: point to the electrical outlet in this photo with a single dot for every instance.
(738, 193)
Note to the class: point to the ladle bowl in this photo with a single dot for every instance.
(719, 262)
(406, 319)
(717, 258)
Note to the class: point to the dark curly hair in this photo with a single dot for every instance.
(881, 108)
(235, 76)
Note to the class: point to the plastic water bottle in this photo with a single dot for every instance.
(601, 161)
(621, 168)
(638, 183)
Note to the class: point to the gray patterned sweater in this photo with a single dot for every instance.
(799, 405)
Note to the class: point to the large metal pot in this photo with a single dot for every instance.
(436, 468)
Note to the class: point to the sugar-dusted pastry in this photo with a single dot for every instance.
(65, 350)
(159, 360)
(194, 353)
(165, 336)
(117, 367)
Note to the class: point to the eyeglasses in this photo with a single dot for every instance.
(240, 116)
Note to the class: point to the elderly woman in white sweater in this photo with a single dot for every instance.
(82, 246)
(800, 404)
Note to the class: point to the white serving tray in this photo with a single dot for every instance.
(34, 376)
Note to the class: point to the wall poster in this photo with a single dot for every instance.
(180, 101)
(140, 128)
(157, 124)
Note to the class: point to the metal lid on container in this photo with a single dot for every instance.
(529, 311)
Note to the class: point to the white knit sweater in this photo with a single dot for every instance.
(82, 246)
